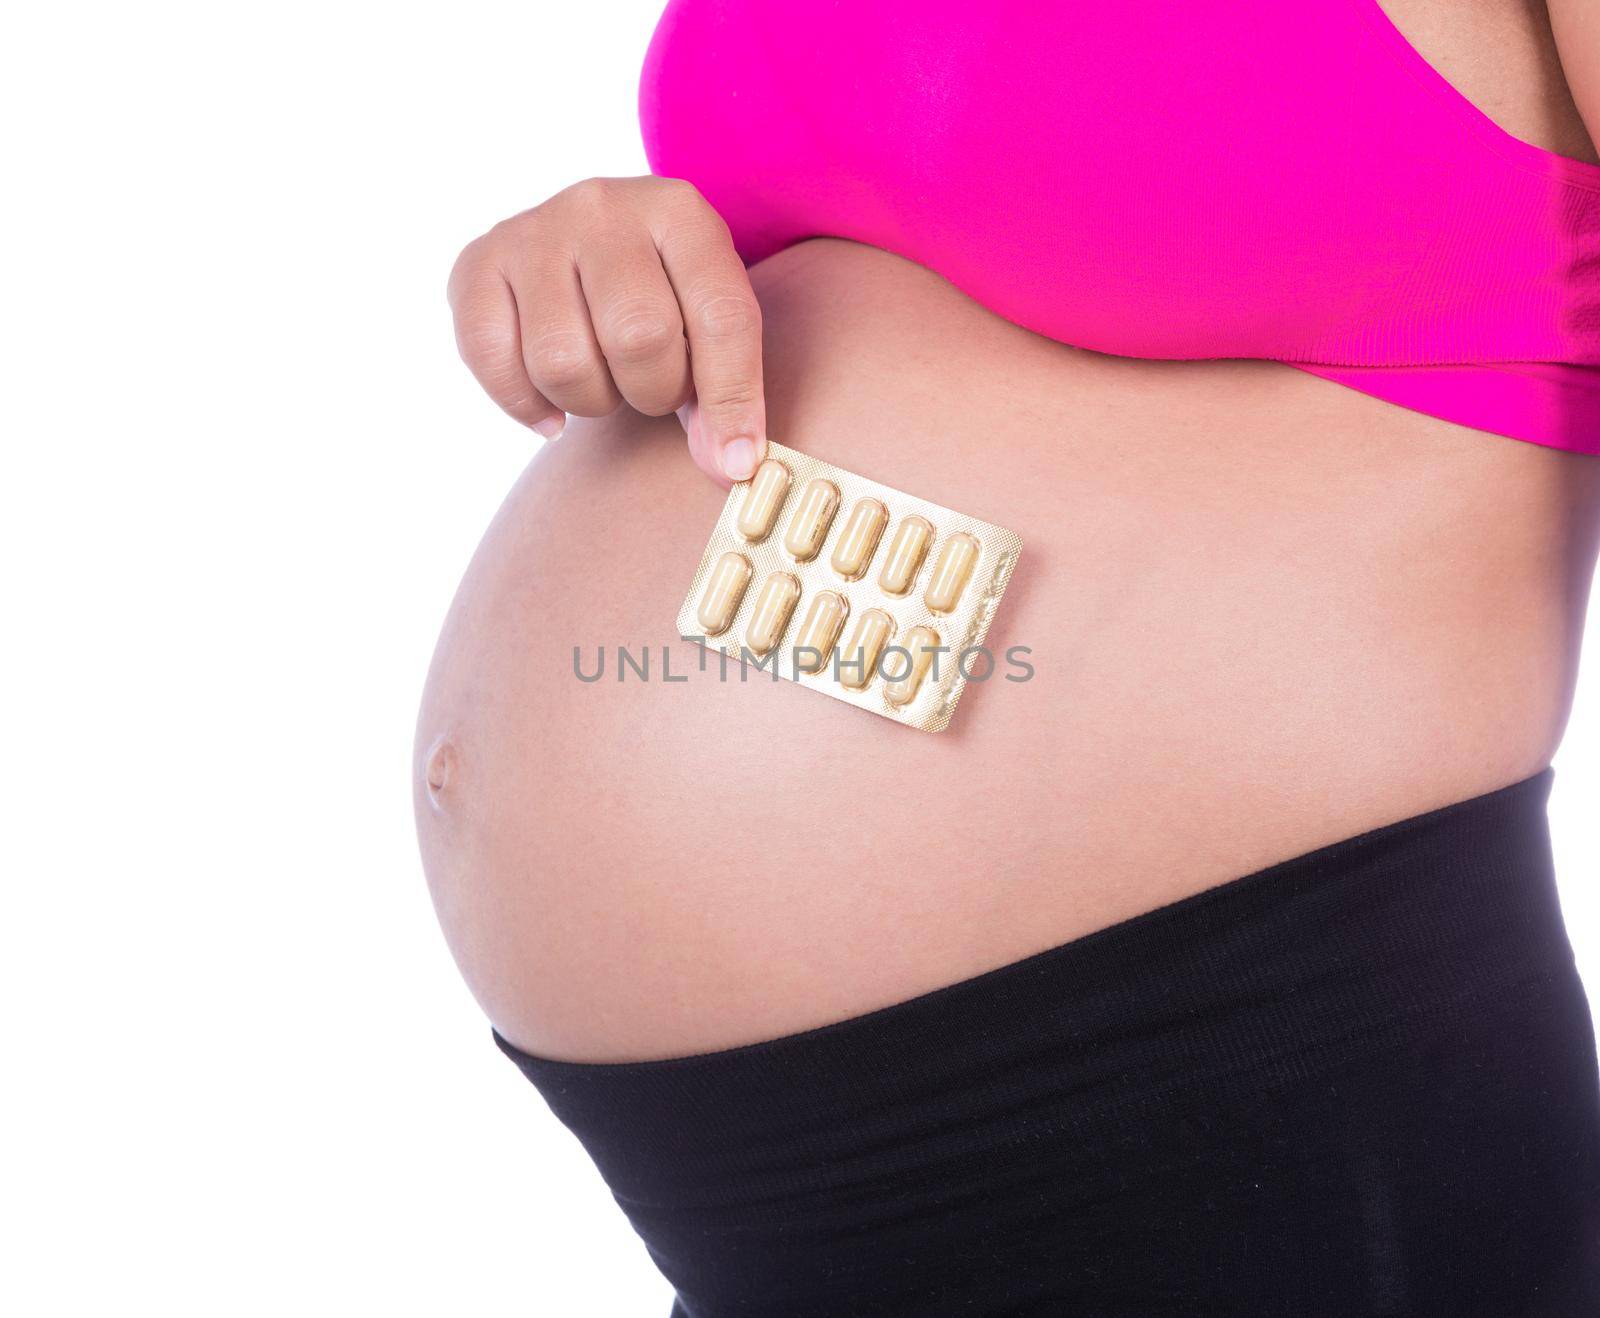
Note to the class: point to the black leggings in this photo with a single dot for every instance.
(1360, 1082)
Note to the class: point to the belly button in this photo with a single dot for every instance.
(440, 762)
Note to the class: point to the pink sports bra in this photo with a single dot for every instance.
(1177, 179)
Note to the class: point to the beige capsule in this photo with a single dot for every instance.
(763, 500)
(906, 552)
(724, 590)
(858, 542)
(819, 630)
(774, 604)
(951, 572)
(858, 661)
(921, 644)
(808, 528)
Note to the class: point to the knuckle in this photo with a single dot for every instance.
(702, 224)
(561, 364)
(640, 333)
(506, 384)
(469, 262)
(504, 381)
(483, 341)
(508, 235)
(727, 316)
(500, 235)
(510, 243)
(593, 197)
(678, 191)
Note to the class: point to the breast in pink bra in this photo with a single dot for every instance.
(1180, 179)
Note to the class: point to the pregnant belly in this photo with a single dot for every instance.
(1263, 613)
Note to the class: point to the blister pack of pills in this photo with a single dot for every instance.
(851, 588)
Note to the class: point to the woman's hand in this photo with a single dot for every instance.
(618, 290)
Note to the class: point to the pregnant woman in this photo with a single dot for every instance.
(1215, 970)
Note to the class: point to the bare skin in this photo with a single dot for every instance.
(1265, 613)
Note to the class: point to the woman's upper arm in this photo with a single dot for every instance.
(1576, 24)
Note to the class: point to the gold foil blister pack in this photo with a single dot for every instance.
(851, 588)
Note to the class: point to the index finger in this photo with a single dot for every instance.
(722, 321)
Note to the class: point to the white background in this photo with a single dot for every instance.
(243, 472)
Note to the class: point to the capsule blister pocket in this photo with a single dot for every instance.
(851, 588)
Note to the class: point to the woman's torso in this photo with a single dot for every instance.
(1265, 613)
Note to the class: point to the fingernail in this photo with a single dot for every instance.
(739, 459)
(552, 426)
